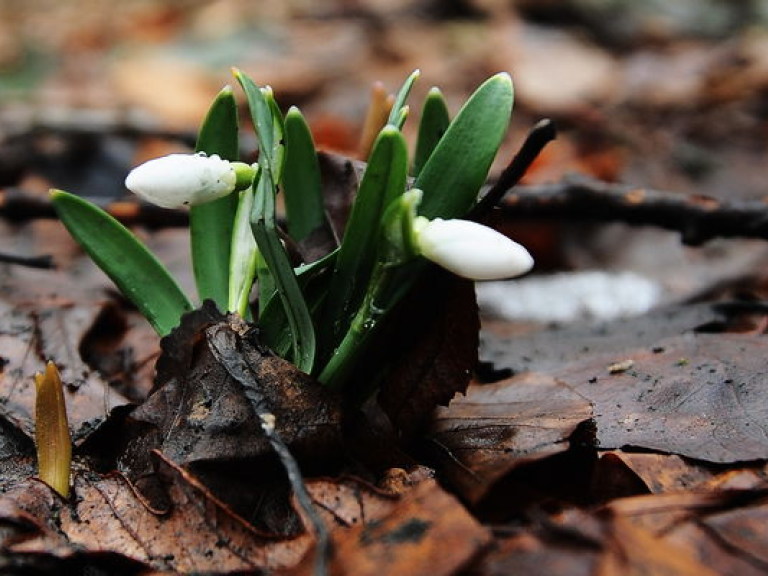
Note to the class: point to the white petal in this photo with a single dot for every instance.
(182, 180)
(472, 250)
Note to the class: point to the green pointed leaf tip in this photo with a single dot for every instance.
(210, 225)
(396, 116)
(127, 262)
(459, 165)
(432, 125)
(268, 121)
(302, 185)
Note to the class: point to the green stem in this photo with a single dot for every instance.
(343, 360)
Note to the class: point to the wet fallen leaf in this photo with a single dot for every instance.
(425, 531)
(640, 535)
(199, 413)
(498, 427)
(441, 353)
(697, 395)
(52, 333)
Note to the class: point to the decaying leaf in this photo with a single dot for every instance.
(89, 398)
(441, 352)
(497, 427)
(698, 395)
(52, 438)
(641, 535)
(199, 413)
(425, 531)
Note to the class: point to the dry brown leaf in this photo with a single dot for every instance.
(497, 427)
(698, 395)
(441, 353)
(426, 531)
(52, 333)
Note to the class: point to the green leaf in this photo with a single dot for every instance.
(271, 248)
(458, 167)
(133, 268)
(399, 112)
(210, 224)
(301, 178)
(433, 124)
(313, 281)
(244, 256)
(383, 181)
(268, 121)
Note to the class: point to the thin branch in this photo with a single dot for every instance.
(44, 262)
(540, 135)
(698, 218)
(16, 205)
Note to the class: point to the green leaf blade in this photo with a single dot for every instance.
(433, 124)
(383, 181)
(399, 112)
(127, 262)
(210, 224)
(301, 178)
(459, 165)
(294, 305)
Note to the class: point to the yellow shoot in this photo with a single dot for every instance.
(375, 119)
(54, 445)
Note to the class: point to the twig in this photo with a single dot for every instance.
(540, 135)
(697, 218)
(225, 347)
(45, 261)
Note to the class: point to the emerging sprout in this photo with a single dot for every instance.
(470, 250)
(187, 179)
(54, 446)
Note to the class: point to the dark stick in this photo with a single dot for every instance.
(697, 218)
(540, 135)
(225, 347)
(45, 261)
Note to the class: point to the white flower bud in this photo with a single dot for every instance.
(471, 250)
(182, 180)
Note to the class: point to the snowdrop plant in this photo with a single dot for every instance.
(320, 315)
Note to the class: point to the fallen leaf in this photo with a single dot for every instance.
(697, 395)
(498, 427)
(425, 531)
(52, 334)
(441, 350)
(110, 516)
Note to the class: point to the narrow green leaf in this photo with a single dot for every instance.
(210, 224)
(313, 281)
(458, 167)
(301, 178)
(396, 115)
(271, 248)
(268, 121)
(433, 124)
(133, 268)
(383, 181)
(244, 256)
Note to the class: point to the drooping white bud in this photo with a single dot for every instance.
(182, 180)
(471, 250)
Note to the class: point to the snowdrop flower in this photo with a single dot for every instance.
(186, 179)
(469, 249)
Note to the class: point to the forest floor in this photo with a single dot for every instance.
(618, 420)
